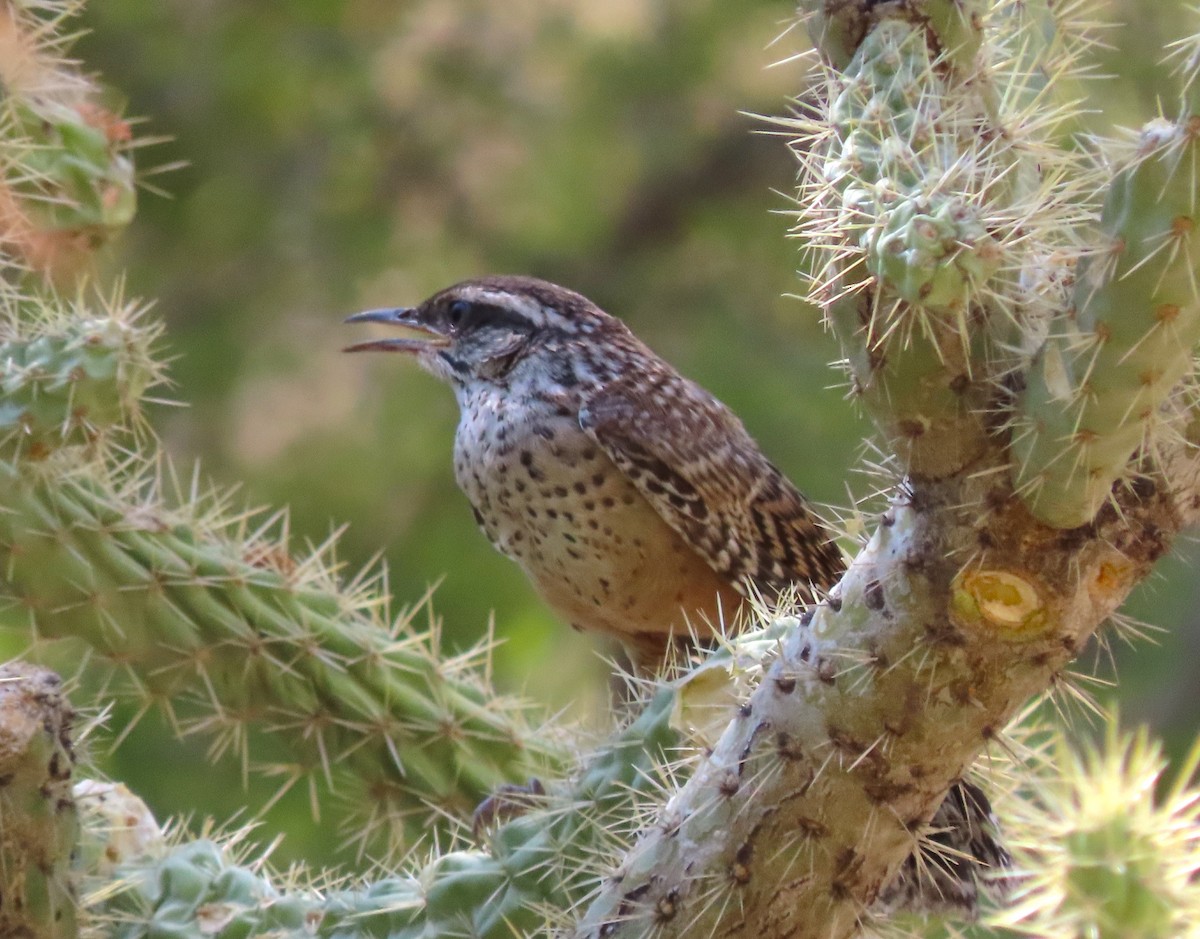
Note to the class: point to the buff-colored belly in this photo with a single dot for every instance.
(630, 574)
(595, 549)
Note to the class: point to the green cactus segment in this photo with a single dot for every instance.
(67, 180)
(1096, 388)
(196, 890)
(896, 168)
(909, 257)
(1116, 877)
(1107, 849)
(77, 177)
(919, 390)
(231, 636)
(934, 255)
(539, 866)
(38, 823)
(71, 386)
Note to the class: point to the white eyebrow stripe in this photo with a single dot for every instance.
(521, 304)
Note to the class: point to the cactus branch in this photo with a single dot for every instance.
(947, 216)
(819, 787)
(38, 822)
(66, 178)
(1100, 388)
(534, 867)
(71, 373)
(219, 625)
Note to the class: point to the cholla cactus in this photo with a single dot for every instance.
(71, 376)
(1016, 316)
(948, 206)
(1106, 849)
(534, 868)
(1098, 854)
(66, 178)
(1100, 388)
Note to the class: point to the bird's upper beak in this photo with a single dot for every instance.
(420, 335)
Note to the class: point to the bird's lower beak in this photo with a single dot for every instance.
(420, 336)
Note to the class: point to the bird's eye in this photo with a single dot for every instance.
(457, 312)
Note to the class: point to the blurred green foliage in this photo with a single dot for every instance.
(343, 154)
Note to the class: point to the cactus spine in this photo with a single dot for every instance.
(200, 611)
(535, 867)
(1099, 389)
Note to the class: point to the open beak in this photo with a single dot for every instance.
(419, 335)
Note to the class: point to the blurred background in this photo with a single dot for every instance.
(344, 154)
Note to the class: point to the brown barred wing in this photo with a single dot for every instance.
(694, 462)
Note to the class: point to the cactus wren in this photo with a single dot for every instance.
(633, 498)
(635, 501)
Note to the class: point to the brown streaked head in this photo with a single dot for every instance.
(480, 328)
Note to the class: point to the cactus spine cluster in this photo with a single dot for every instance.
(1100, 388)
(952, 214)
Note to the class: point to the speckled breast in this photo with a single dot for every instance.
(598, 553)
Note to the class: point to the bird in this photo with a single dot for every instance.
(637, 504)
